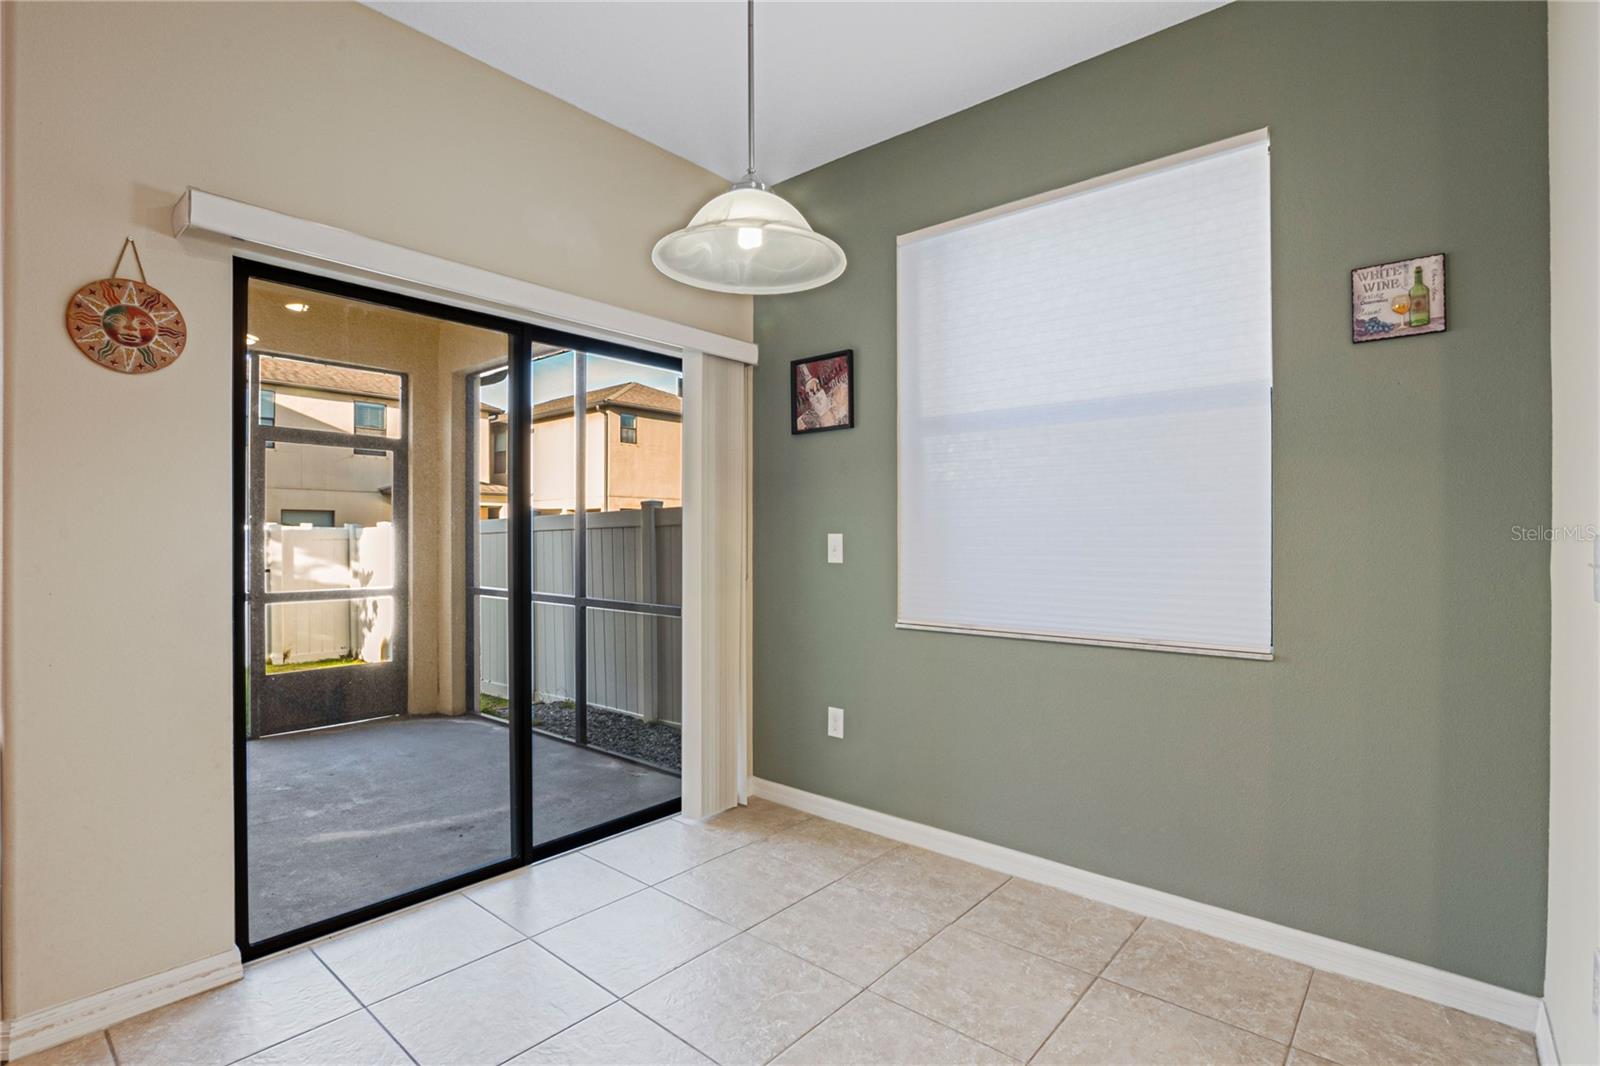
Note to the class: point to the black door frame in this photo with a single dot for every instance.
(521, 337)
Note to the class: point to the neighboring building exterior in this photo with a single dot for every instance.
(320, 486)
(633, 445)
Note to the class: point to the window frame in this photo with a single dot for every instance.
(379, 430)
(499, 451)
(333, 517)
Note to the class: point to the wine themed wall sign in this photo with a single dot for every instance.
(1399, 299)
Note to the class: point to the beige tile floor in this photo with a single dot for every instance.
(765, 935)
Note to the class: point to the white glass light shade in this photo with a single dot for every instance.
(752, 241)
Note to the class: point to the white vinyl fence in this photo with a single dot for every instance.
(634, 660)
(301, 558)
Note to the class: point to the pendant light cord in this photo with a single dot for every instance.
(750, 88)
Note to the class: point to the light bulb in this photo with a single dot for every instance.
(749, 238)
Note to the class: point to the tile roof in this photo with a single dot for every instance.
(276, 370)
(629, 394)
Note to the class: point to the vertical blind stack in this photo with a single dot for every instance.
(1085, 411)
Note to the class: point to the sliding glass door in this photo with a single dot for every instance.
(606, 557)
(428, 503)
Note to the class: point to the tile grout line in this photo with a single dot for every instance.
(868, 986)
(750, 930)
(364, 1008)
(947, 927)
(111, 1046)
(1196, 1013)
(780, 910)
(567, 921)
(386, 1032)
(816, 1025)
(740, 932)
(936, 1021)
(651, 1021)
(1050, 958)
(1294, 1031)
(357, 1009)
(442, 973)
(648, 886)
(1143, 921)
(564, 1028)
(1056, 1028)
(1098, 975)
(595, 980)
(678, 819)
(296, 1036)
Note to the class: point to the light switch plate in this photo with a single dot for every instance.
(836, 547)
(836, 722)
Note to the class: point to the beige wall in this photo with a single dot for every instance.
(1573, 929)
(117, 788)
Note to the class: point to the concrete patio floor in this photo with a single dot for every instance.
(339, 818)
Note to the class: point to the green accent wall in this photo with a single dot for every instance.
(1384, 780)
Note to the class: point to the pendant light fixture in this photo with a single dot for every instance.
(749, 240)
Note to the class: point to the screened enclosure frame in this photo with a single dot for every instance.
(522, 337)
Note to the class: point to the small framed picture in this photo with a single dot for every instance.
(821, 393)
(1399, 299)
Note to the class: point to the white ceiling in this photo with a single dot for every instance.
(831, 78)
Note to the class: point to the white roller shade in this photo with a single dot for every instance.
(1085, 411)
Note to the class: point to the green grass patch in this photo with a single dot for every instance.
(315, 664)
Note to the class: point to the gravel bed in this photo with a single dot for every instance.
(621, 734)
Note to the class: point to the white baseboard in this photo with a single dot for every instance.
(67, 1021)
(1544, 1038)
(1515, 1009)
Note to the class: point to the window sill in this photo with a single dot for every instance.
(1098, 642)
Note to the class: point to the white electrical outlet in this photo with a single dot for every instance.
(836, 722)
(836, 548)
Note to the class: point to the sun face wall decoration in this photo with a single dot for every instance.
(125, 325)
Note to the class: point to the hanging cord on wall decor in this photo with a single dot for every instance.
(126, 244)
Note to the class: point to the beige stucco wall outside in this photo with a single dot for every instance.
(651, 469)
(117, 781)
(553, 463)
(354, 487)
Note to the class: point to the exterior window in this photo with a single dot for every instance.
(269, 407)
(371, 418)
(291, 517)
(630, 429)
(499, 451)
